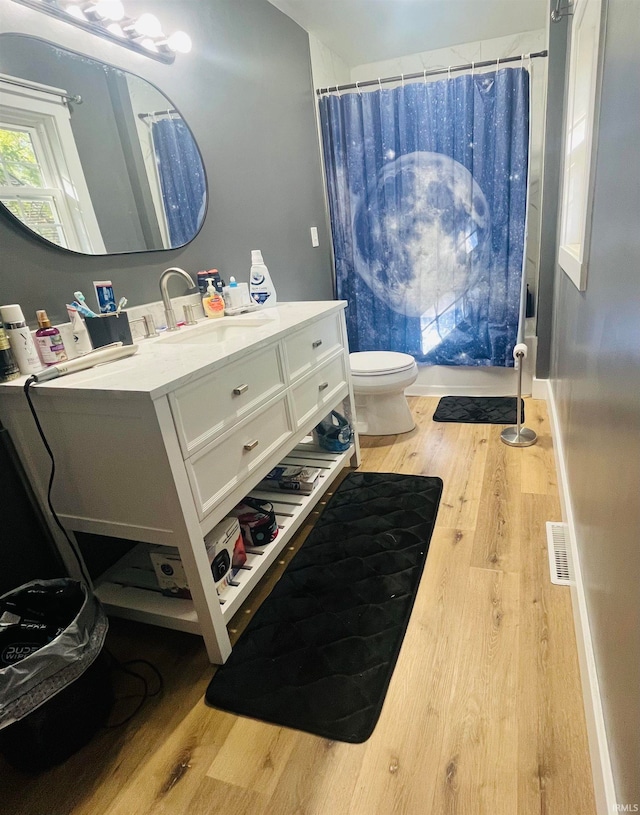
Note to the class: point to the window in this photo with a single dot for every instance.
(580, 138)
(41, 178)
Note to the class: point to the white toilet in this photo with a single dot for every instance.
(379, 379)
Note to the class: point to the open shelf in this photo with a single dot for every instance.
(129, 589)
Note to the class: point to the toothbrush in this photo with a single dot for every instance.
(81, 299)
(122, 302)
(84, 310)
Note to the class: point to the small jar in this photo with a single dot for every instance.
(8, 367)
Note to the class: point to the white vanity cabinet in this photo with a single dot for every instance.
(158, 448)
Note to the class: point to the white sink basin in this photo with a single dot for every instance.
(212, 331)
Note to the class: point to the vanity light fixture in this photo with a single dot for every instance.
(108, 19)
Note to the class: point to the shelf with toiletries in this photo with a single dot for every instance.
(181, 432)
(130, 588)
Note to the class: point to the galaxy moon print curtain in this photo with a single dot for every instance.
(427, 188)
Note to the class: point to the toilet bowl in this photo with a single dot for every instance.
(379, 379)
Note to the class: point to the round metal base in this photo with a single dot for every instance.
(525, 439)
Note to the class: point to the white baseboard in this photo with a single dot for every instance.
(539, 388)
(598, 746)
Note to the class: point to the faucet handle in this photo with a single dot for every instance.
(149, 325)
(189, 315)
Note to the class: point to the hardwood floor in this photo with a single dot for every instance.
(483, 714)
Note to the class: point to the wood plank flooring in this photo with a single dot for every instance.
(483, 715)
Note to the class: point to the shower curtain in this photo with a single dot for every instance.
(427, 187)
(182, 179)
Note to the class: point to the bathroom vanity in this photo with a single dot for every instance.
(158, 448)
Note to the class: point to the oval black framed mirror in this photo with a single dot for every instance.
(94, 159)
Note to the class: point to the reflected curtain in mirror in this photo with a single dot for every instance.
(427, 190)
(181, 178)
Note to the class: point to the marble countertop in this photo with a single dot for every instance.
(161, 364)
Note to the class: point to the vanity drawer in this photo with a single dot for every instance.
(224, 463)
(205, 408)
(319, 389)
(311, 345)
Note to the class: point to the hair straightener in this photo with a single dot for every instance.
(108, 353)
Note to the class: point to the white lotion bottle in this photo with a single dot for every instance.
(261, 288)
(20, 339)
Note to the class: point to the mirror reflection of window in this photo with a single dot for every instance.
(41, 178)
(22, 187)
(138, 200)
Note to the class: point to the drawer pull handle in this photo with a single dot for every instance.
(323, 386)
(251, 445)
(316, 343)
(240, 390)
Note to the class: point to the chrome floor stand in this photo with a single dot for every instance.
(519, 436)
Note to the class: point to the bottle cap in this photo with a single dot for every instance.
(43, 320)
(256, 256)
(232, 282)
(12, 314)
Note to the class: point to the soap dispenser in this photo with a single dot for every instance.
(212, 302)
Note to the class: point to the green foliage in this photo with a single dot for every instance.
(19, 166)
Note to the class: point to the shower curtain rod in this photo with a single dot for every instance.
(156, 113)
(41, 89)
(424, 74)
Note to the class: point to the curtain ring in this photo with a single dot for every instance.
(425, 76)
(402, 79)
(357, 88)
(497, 64)
(449, 72)
(379, 84)
(338, 92)
(473, 69)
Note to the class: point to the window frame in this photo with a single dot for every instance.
(579, 176)
(45, 115)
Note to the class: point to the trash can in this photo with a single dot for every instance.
(55, 682)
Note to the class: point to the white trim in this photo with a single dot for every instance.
(539, 388)
(602, 774)
(578, 172)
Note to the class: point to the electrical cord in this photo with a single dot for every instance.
(125, 668)
(30, 381)
(115, 664)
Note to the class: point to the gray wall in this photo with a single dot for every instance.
(596, 382)
(245, 90)
(553, 139)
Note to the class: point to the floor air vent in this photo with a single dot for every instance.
(560, 563)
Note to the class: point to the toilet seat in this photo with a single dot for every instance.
(379, 363)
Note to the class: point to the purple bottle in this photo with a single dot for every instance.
(49, 341)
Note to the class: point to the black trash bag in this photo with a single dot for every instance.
(55, 683)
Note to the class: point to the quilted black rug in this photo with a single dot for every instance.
(478, 409)
(319, 653)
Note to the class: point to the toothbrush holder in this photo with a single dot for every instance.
(108, 328)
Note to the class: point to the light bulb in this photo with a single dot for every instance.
(148, 25)
(75, 11)
(109, 9)
(148, 43)
(116, 30)
(180, 42)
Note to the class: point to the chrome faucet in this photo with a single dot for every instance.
(168, 308)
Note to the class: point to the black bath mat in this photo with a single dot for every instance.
(478, 409)
(319, 653)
